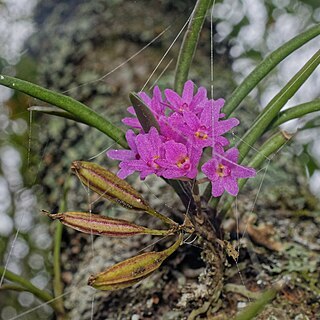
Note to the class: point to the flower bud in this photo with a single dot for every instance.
(131, 271)
(101, 225)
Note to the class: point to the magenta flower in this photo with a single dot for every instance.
(149, 146)
(223, 171)
(206, 129)
(187, 102)
(220, 127)
(179, 160)
(156, 105)
(126, 155)
(171, 128)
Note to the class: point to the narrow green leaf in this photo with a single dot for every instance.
(13, 287)
(263, 69)
(57, 281)
(256, 307)
(76, 108)
(190, 42)
(55, 111)
(274, 106)
(144, 114)
(296, 112)
(28, 286)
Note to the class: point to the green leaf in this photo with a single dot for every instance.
(190, 42)
(256, 307)
(296, 112)
(74, 107)
(55, 111)
(274, 106)
(264, 68)
(28, 286)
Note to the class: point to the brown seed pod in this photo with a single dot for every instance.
(111, 187)
(101, 225)
(131, 271)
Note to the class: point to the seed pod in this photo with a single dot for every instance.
(131, 271)
(101, 225)
(109, 186)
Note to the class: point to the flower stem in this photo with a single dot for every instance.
(189, 43)
(76, 108)
(263, 69)
(274, 106)
(57, 282)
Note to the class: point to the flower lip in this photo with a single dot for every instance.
(184, 163)
(223, 171)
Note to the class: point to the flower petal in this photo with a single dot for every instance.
(148, 144)
(173, 99)
(131, 110)
(187, 93)
(217, 188)
(243, 172)
(146, 99)
(209, 169)
(199, 99)
(232, 155)
(224, 126)
(132, 122)
(231, 186)
(121, 154)
(174, 151)
(131, 139)
(191, 120)
(171, 173)
(124, 172)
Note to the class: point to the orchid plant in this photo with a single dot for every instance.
(171, 135)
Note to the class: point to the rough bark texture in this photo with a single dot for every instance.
(80, 41)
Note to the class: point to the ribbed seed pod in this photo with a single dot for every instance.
(109, 186)
(131, 271)
(101, 225)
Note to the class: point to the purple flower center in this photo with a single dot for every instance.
(223, 171)
(184, 163)
(152, 163)
(184, 107)
(202, 135)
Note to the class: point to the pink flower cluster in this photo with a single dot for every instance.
(188, 124)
